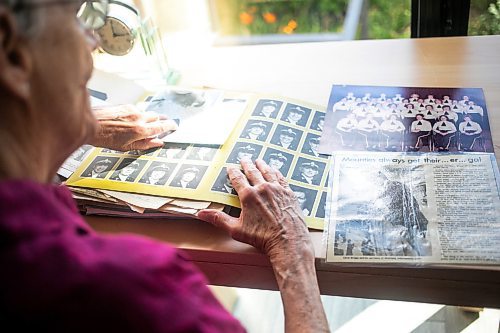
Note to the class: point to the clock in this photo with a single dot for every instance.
(120, 30)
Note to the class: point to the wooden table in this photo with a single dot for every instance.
(306, 72)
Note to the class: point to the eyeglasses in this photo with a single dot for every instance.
(92, 14)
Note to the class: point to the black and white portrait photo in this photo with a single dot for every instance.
(150, 151)
(308, 171)
(181, 104)
(243, 150)
(81, 153)
(189, 176)
(100, 167)
(128, 170)
(110, 151)
(223, 183)
(278, 160)
(173, 151)
(157, 173)
(202, 153)
(286, 137)
(318, 121)
(311, 146)
(320, 211)
(305, 198)
(267, 108)
(296, 115)
(256, 130)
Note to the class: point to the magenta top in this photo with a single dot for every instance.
(58, 275)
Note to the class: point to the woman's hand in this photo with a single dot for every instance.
(126, 128)
(270, 219)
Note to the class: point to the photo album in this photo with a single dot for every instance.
(283, 132)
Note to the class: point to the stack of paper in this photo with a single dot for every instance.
(114, 203)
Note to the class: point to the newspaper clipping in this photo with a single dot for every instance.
(394, 207)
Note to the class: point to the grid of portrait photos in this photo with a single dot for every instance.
(283, 133)
(406, 119)
(174, 165)
(286, 136)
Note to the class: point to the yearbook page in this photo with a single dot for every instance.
(283, 132)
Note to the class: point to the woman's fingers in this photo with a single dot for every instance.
(267, 172)
(238, 179)
(159, 127)
(218, 219)
(253, 174)
(150, 117)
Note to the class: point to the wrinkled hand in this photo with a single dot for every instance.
(270, 219)
(126, 128)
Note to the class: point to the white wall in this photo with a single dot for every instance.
(179, 15)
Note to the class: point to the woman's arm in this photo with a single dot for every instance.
(271, 220)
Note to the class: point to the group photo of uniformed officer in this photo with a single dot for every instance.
(256, 130)
(157, 173)
(311, 146)
(99, 167)
(296, 115)
(189, 176)
(267, 108)
(282, 134)
(128, 170)
(308, 171)
(318, 121)
(278, 160)
(407, 119)
(286, 137)
(320, 212)
(223, 183)
(173, 151)
(243, 150)
(305, 197)
(81, 152)
(202, 153)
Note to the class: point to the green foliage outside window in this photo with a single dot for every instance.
(246, 17)
(484, 17)
(380, 19)
(386, 19)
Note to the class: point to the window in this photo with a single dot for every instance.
(274, 21)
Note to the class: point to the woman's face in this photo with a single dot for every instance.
(188, 176)
(158, 174)
(128, 170)
(256, 130)
(295, 116)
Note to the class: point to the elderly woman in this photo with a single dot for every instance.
(59, 275)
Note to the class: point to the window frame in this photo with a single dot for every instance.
(439, 18)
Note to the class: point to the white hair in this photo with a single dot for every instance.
(28, 21)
